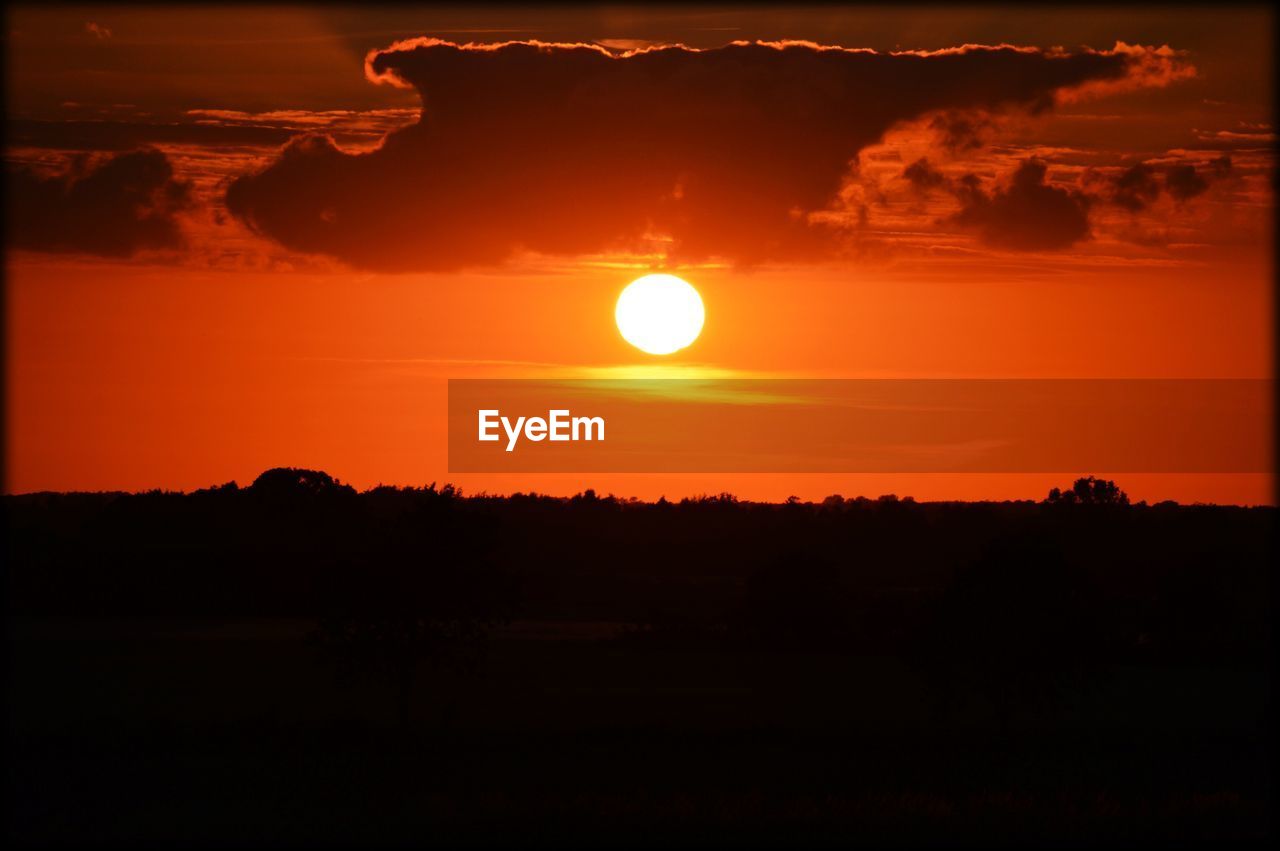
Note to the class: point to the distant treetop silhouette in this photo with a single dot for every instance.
(1090, 491)
(295, 481)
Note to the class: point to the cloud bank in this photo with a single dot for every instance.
(1027, 215)
(572, 149)
(113, 207)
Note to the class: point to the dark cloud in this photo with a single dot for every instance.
(1136, 187)
(1183, 182)
(959, 132)
(922, 176)
(569, 149)
(1027, 214)
(112, 207)
(123, 135)
(1139, 186)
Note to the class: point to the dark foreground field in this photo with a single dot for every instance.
(295, 663)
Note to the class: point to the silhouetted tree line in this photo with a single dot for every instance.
(1019, 659)
(400, 578)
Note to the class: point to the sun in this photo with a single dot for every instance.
(659, 314)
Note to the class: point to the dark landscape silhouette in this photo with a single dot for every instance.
(296, 661)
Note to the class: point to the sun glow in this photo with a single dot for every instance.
(659, 314)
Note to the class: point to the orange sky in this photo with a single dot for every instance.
(202, 344)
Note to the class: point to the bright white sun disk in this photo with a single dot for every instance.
(659, 314)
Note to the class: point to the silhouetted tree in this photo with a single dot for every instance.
(1090, 491)
(287, 482)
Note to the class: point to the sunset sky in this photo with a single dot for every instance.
(248, 237)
